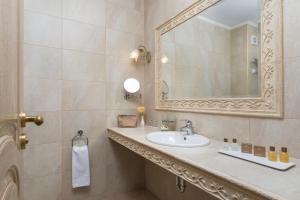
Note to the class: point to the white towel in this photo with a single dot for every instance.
(80, 166)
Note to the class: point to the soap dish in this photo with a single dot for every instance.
(259, 160)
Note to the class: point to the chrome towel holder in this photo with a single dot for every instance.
(80, 139)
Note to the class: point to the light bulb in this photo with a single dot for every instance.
(135, 54)
(164, 59)
(131, 85)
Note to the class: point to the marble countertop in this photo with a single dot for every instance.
(283, 185)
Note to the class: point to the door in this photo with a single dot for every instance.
(10, 155)
(12, 140)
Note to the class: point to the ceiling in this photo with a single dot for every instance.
(231, 13)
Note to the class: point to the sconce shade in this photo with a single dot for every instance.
(141, 52)
(164, 59)
(135, 54)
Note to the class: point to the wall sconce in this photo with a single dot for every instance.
(131, 88)
(141, 52)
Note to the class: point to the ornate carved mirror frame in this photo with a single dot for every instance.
(270, 104)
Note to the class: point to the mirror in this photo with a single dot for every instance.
(131, 85)
(216, 52)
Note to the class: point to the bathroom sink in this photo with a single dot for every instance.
(177, 139)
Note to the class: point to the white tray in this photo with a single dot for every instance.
(259, 160)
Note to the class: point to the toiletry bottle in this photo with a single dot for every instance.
(226, 145)
(272, 155)
(234, 145)
(284, 156)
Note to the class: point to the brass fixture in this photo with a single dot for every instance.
(141, 52)
(38, 120)
(23, 139)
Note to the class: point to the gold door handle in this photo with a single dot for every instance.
(23, 139)
(38, 120)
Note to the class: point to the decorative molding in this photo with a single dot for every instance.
(270, 104)
(210, 183)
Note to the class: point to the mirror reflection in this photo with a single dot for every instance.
(215, 54)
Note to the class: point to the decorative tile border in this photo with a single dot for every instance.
(213, 184)
(270, 102)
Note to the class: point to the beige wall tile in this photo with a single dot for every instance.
(219, 127)
(91, 122)
(97, 155)
(52, 7)
(78, 95)
(112, 116)
(96, 189)
(125, 170)
(127, 20)
(291, 27)
(42, 62)
(120, 43)
(42, 95)
(42, 29)
(83, 66)
(174, 7)
(291, 89)
(133, 195)
(49, 132)
(153, 21)
(119, 69)
(46, 187)
(281, 133)
(66, 83)
(92, 11)
(42, 160)
(132, 4)
(84, 37)
(115, 97)
(163, 185)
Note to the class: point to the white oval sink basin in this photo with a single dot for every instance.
(177, 139)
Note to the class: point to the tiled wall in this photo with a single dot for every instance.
(75, 61)
(281, 132)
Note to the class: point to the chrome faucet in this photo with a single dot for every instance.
(188, 128)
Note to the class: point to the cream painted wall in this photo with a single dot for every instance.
(279, 132)
(75, 61)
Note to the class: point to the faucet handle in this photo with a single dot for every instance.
(188, 123)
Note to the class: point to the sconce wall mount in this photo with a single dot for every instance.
(131, 89)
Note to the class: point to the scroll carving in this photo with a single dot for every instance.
(218, 187)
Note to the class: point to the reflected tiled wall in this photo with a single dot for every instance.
(281, 132)
(190, 70)
(75, 61)
(243, 81)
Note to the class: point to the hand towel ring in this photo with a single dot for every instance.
(80, 139)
